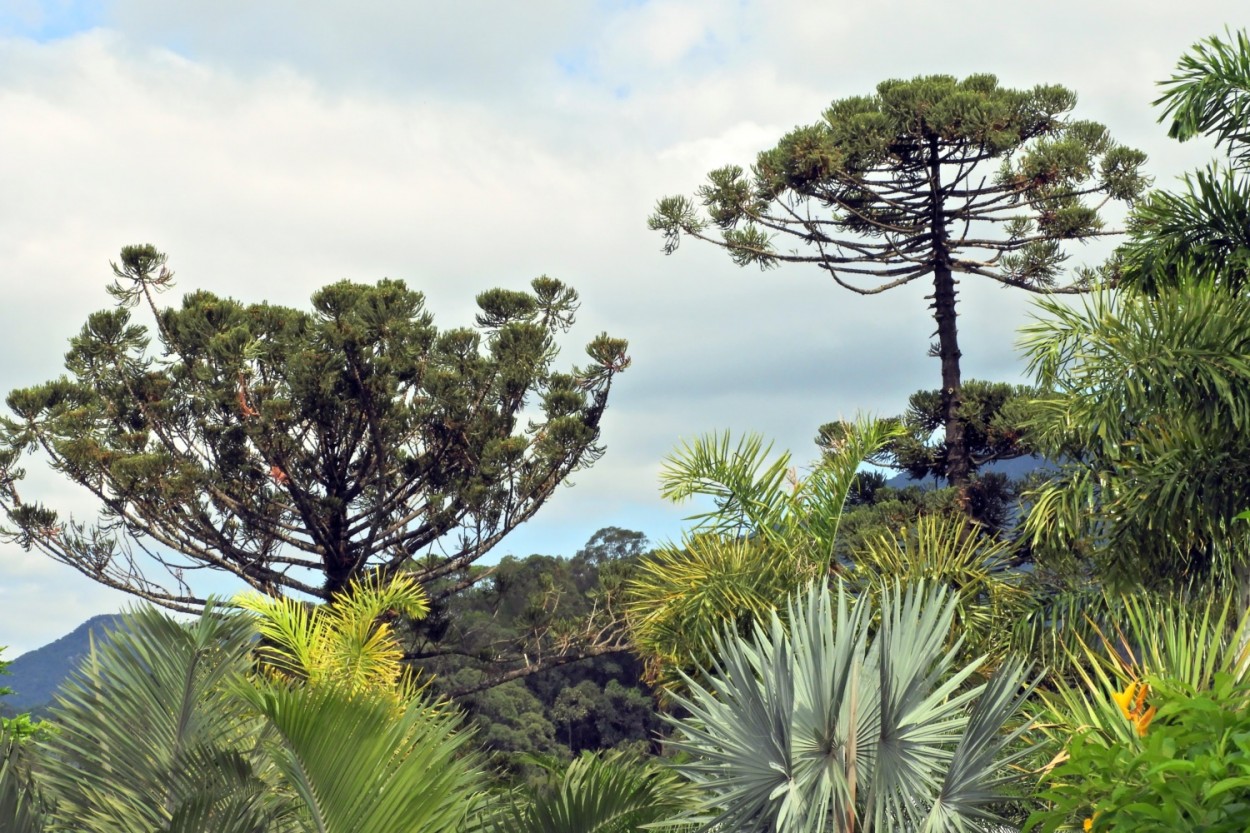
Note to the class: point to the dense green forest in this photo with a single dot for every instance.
(821, 649)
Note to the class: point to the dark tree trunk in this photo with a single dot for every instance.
(339, 572)
(958, 464)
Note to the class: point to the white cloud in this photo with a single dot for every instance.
(272, 148)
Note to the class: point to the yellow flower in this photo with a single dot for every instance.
(1143, 720)
(1088, 823)
(1132, 703)
(1125, 697)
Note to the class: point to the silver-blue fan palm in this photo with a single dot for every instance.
(854, 718)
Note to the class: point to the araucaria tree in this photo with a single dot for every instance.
(929, 178)
(301, 450)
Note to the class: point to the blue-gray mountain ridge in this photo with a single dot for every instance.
(36, 674)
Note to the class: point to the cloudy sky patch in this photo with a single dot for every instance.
(271, 148)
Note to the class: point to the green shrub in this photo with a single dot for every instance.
(1191, 770)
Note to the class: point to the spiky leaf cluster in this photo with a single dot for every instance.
(825, 721)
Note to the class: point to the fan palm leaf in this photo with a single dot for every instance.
(166, 728)
(833, 725)
(151, 736)
(607, 793)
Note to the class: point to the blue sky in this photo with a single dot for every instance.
(49, 20)
(273, 147)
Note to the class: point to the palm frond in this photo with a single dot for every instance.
(358, 767)
(349, 641)
(151, 737)
(1149, 407)
(606, 793)
(1210, 94)
(947, 551)
(830, 726)
(22, 806)
(772, 532)
(681, 597)
(748, 490)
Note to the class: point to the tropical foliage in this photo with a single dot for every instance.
(1147, 389)
(1205, 228)
(1150, 407)
(19, 725)
(600, 794)
(818, 670)
(349, 643)
(1188, 770)
(947, 551)
(770, 533)
(224, 749)
(850, 716)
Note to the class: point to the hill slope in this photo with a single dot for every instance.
(36, 674)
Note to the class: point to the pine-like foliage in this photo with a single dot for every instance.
(931, 177)
(299, 450)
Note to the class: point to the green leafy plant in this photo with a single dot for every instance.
(1190, 771)
(19, 726)
(167, 728)
(611, 793)
(770, 533)
(349, 643)
(947, 550)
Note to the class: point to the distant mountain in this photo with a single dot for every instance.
(1016, 468)
(36, 674)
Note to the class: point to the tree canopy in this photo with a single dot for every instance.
(298, 450)
(930, 177)
(1204, 228)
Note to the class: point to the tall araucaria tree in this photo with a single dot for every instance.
(301, 450)
(928, 178)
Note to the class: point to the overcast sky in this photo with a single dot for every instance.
(273, 147)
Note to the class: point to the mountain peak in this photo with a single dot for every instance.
(36, 674)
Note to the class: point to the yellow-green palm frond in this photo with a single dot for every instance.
(365, 649)
(293, 634)
(349, 642)
(945, 550)
(680, 598)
